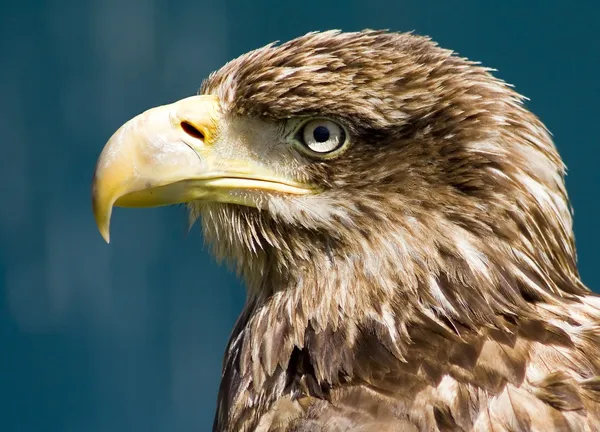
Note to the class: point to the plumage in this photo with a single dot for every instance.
(428, 282)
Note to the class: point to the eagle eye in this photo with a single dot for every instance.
(321, 136)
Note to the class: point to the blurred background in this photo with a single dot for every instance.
(129, 336)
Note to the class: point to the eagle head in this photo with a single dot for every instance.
(376, 192)
(377, 150)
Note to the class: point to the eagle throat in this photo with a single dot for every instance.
(327, 308)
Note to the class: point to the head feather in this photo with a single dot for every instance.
(440, 245)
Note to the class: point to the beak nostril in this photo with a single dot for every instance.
(192, 131)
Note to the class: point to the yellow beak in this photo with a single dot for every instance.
(164, 156)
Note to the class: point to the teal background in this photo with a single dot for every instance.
(129, 336)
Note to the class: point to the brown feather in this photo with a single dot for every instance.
(432, 284)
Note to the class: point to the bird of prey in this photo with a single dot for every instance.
(401, 223)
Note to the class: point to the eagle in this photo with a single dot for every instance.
(401, 224)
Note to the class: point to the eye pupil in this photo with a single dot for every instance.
(321, 134)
